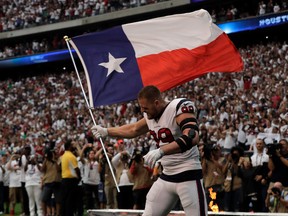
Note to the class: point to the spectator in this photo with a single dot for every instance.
(222, 15)
(46, 13)
(80, 191)
(52, 12)
(251, 134)
(4, 162)
(262, 8)
(15, 194)
(241, 138)
(33, 186)
(276, 8)
(231, 135)
(91, 177)
(2, 175)
(248, 186)
(223, 114)
(23, 161)
(70, 179)
(51, 180)
(214, 16)
(234, 12)
(259, 161)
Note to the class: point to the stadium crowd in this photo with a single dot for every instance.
(30, 13)
(243, 121)
(25, 14)
(240, 116)
(17, 15)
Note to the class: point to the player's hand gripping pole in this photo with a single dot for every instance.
(90, 111)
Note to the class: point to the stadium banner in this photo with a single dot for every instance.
(259, 22)
(36, 59)
(164, 52)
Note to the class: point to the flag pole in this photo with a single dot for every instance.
(90, 111)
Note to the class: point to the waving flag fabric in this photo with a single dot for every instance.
(165, 52)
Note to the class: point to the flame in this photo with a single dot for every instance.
(212, 206)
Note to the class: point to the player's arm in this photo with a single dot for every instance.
(186, 141)
(125, 131)
(188, 125)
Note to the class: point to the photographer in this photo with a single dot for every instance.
(110, 191)
(278, 199)
(121, 164)
(212, 165)
(233, 185)
(142, 178)
(278, 164)
(51, 178)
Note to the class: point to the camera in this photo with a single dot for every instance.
(209, 149)
(235, 157)
(124, 157)
(137, 156)
(276, 190)
(31, 159)
(272, 148)
(49, 150)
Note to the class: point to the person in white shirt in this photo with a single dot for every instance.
(230, 137)
(276, 8)
(251, 132)
(91, 177)
(223, 114)
(14, 181)
(2, 174)
(259, 157)
(33, 185)
(4, 162)
(121, 164)
(22, 163)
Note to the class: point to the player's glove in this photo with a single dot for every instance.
(99, 131)
(152, 156)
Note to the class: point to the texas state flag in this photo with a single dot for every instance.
(164, 52)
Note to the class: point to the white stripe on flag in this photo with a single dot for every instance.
(189, 30)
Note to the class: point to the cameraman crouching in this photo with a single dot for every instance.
(142, 178)
(278, 199)
(278, 167)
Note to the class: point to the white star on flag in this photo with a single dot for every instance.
(113, 64)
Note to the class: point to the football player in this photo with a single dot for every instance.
(174, 127)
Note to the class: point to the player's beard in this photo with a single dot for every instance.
(151, 115)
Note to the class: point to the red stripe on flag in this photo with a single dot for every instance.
(171, 68)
